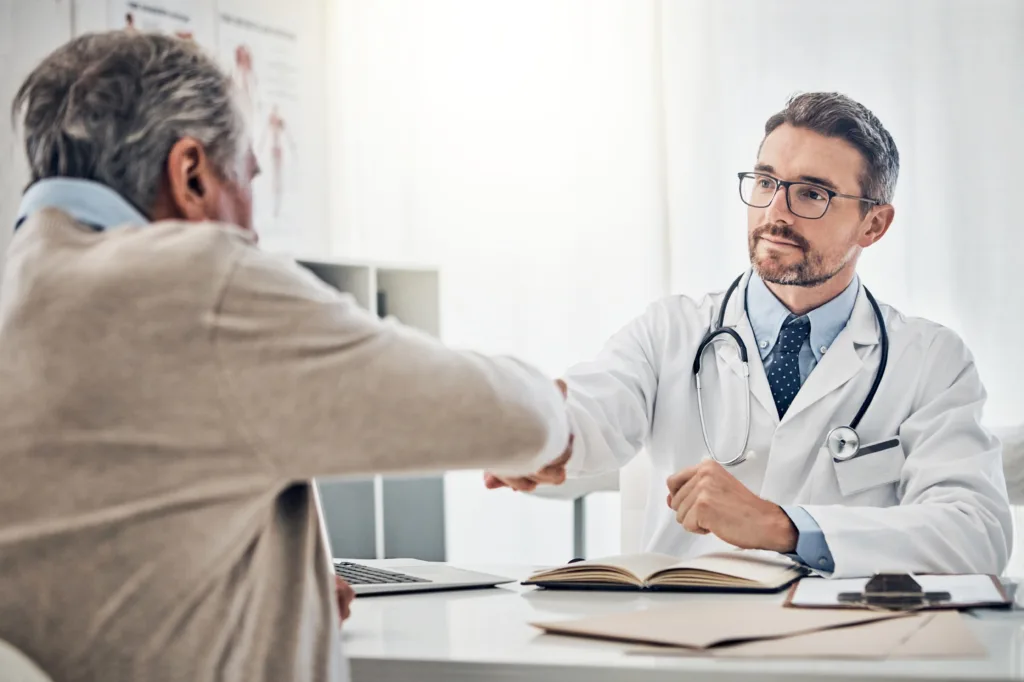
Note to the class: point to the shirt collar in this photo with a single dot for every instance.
(767, 314)
(88, 202)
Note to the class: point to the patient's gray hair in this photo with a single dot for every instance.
(109, 106)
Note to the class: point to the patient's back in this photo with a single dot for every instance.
(141, 537)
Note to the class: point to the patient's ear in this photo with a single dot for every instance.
(191, 185)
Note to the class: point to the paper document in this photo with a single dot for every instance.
(940, 634)
(964, 590)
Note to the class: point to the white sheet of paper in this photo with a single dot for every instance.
(963, 589)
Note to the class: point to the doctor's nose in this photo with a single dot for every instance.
(778, 211)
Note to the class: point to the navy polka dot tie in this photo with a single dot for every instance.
(784, 374)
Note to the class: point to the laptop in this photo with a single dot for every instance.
(424, 577)
(417, 577)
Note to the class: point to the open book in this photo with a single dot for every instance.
(730, 571)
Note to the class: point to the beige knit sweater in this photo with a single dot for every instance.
(166, 393)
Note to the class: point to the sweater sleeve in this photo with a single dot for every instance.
(321, 387)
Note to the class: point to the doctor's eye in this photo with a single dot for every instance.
(811, 193)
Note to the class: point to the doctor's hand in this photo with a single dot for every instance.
(552, 474)
(708, 499)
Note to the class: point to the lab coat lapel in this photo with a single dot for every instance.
(842, 361)
(727, 355)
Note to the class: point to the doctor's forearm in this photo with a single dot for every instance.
(811, 545)
(784, 535)
(596, 450)
(925, 537)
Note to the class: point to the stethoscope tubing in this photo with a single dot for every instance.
(720, 331)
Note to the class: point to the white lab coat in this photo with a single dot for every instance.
(940, 505)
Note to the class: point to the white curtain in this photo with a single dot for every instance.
(944, 76)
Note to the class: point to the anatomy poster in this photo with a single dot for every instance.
(263, 61)
(187, 19)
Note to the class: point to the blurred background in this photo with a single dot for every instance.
(524, 177)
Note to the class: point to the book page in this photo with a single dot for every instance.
(638, 565)
(766, 568)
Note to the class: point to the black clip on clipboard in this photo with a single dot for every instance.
(893, 592)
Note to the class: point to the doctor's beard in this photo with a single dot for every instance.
(812, 270)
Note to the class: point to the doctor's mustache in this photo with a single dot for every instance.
(781, 232)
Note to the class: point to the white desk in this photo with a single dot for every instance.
(484, 635)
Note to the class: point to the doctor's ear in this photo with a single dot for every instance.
(878, 220)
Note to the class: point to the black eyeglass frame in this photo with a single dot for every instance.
(786, 184)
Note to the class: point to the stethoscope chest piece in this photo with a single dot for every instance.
(843, 442)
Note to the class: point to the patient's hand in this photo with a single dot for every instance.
(345, 595)
(552, 474)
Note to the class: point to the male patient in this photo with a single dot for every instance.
(167, 390)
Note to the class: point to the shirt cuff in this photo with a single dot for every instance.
(811, 547)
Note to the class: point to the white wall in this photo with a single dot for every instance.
(35, 27)
(516, 146)
(41, 25)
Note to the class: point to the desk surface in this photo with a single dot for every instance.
(485, 635)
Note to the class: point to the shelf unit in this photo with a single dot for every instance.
(385, 516)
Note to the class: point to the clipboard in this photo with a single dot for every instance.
(900, 592)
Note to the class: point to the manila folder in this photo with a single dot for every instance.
(933, 635)
(703, 624)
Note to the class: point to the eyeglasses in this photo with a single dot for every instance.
(803, 198)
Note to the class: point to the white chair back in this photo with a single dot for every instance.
(634, 482)
(1013, 461)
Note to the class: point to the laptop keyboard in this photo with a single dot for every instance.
(357, 574)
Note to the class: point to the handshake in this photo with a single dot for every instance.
(704, 498)
(552, 474)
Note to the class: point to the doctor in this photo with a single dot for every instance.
(915, 485)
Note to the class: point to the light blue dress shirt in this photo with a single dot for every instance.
(767, 315)
(90, 203)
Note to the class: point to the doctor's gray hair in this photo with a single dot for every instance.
(834, 115)
(109, 106)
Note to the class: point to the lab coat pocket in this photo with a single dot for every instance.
(870, 467)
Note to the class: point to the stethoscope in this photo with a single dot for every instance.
(843, 441)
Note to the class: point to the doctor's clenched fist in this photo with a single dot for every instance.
(708, 499)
